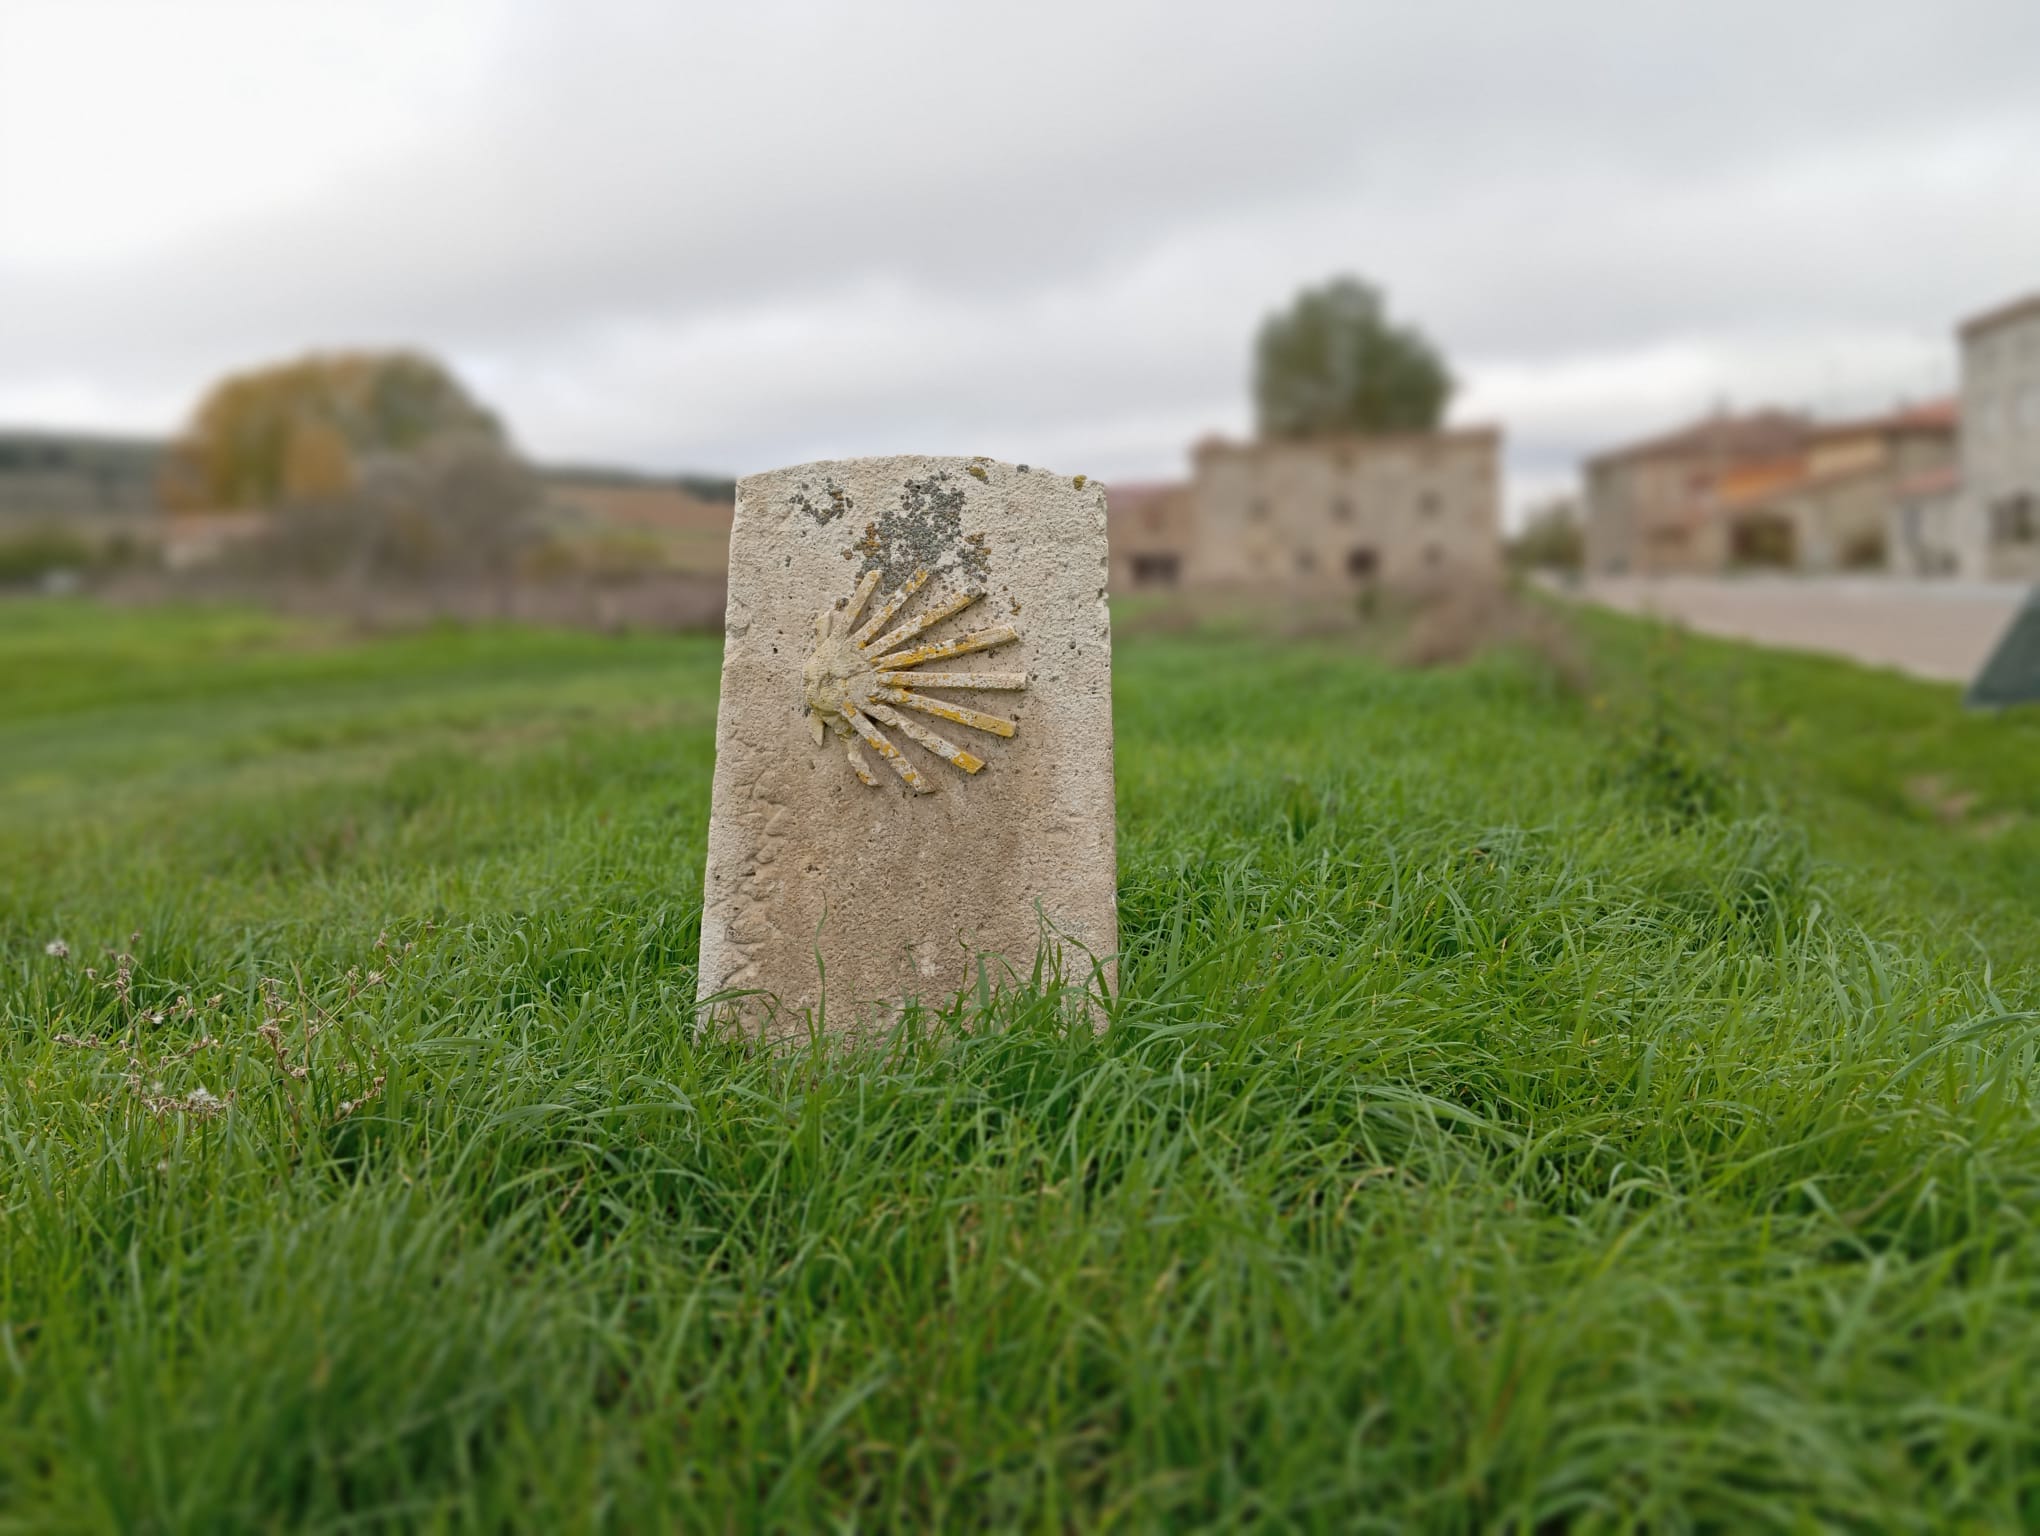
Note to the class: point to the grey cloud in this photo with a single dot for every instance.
(724, 237)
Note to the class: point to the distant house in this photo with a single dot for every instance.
(1926, 534)
(1999, 506)
(1149, 530)
(1768, 489)
(1316, 515)
(1840, 509)
(1652, 508)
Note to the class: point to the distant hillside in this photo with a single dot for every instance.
(62, 477)
(58, 477)
(617, 519)
(701, 487)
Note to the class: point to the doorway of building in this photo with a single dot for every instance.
(1157, 569)
(1766, 540)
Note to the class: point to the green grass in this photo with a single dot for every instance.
(1529, 1108)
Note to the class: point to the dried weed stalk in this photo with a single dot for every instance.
(292, 1021)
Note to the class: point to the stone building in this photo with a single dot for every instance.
(1999, 506)
(1317, 515)
(1840, 509)
(1927, 537)
(1652, 508)
(1150, 528)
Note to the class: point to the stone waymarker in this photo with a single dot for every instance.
(2011, 675)
(913, 775)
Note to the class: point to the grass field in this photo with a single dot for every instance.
(1542, 1097)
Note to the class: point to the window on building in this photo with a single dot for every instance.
(1258, 509)
(1342, 510)
(1427, 504)
(1362, 563)
(1434, 554)
(1157, 569)
(1306, 562)
(2015, 519)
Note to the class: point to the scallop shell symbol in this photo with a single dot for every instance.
(855, 677)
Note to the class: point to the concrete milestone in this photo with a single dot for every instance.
(913, 777)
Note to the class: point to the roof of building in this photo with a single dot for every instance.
(1800, 485)
(1215, 442)
(2003, 314)
(1753, 434)
(1931, 416)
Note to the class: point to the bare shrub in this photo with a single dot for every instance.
(458, 510)
(1454, 622)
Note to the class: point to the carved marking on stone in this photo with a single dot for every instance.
(854, 674)
(826, 906)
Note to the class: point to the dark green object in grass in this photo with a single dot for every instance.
(2012, 674)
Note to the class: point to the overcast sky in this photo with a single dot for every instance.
(723, 238)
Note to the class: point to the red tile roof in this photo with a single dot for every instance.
(1755, 435)
(1939, 416)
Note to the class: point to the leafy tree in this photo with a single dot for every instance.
(1551, 539)
(300, 431)
(1333, 362)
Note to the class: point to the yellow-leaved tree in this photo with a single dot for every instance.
(301, 431)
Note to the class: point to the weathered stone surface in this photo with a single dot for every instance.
(908, 791)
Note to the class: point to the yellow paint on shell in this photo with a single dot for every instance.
(977, 640)
(957, 712)
(887, 750)
(1008, 681)
(928, 620)
(940, 746)
(843, 683)
(891, 606)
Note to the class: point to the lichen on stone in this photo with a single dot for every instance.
(925, 532)
(836, 502)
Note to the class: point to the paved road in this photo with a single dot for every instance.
(1936, 629)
